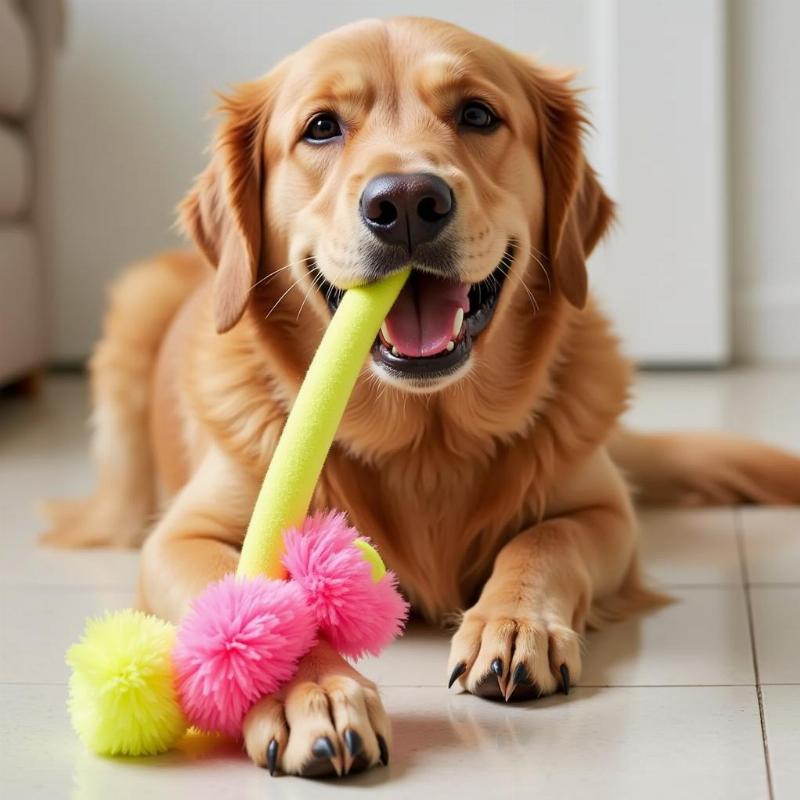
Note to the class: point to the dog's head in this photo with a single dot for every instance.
(385, 143)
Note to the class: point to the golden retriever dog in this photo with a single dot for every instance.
(481, 449)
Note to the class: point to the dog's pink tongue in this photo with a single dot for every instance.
(421, 320)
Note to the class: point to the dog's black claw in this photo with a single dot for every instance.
(384, 750)
(518, 684)
(353, 741)
(272, 757)
(356, 759)
(497, 667)
(322, 763)
(460, 669)
(323, 748)
(521, 677)
(522, 687)
(564, 678)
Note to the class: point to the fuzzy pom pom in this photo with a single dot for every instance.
(122, 698)
(355, 612)
(241, 640)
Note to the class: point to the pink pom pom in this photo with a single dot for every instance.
(357, 614)
(241, 640)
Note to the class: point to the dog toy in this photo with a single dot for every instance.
(138, 682)
(122, 699)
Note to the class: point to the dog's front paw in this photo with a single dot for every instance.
(509, 654)
(328, 721)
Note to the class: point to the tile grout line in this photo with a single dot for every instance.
(738, 527)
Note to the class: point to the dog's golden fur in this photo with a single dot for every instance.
(502, 492)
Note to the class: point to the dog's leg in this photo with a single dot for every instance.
(117, 513)
(523, 636)
(330, 719)
(199, 538)
(698, 469)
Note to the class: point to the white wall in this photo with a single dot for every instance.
(765, 171)
(663, 272)
(137, 80)
(134, 93)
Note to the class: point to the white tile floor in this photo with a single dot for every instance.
(699, 700)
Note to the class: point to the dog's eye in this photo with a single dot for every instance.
(477, 115)
(322, 128)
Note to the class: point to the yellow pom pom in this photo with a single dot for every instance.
(122, 698)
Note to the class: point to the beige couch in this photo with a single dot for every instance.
(29, 33)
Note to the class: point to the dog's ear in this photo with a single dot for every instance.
(223, 211)
(577, 209)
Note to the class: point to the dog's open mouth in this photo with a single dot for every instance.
(429, 331)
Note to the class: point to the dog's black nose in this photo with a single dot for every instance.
(406, 210)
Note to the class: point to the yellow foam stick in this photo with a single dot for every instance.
(297, 462)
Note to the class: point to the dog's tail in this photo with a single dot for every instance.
(143, 303)
(695, 469)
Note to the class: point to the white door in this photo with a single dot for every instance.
(654, 71)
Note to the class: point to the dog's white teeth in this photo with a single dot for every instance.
(385, 333)
(450, 346)
(458, 321)
(395, 351)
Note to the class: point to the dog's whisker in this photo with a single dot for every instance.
(280, 299)
(314, 287)
(506, 270)
(275, 272)
(328, 293)
(540, 258)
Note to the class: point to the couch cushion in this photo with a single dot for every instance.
(23, 324)
(16, 61)
(15, 171)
